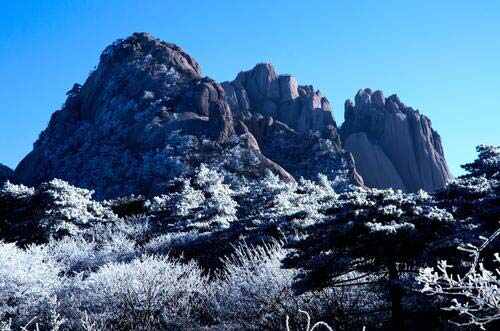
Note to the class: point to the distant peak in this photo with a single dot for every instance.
(367, 98)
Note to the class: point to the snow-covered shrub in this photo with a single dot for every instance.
(475, 296)
(76, 254)
(253, 291)
(147, 293)
(162, 244)
(30, 285)
(136, 228)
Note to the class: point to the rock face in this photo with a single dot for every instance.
(263, 91)
(292, 124)
(393, 145)
(5, 173)
(143, 117)
(146, 116)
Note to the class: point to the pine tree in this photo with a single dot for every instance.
(475, 200)
(474, 197)
(375, 232)
(486, 165)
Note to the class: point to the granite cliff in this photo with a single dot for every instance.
(393, 144)
(143, 117)
(293, 124)
(146, 115)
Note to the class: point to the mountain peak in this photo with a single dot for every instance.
(146, 116)
(393, 145)
(145, 49)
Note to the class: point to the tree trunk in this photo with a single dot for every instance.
(396, 294)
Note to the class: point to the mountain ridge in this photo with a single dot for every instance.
(147, 115)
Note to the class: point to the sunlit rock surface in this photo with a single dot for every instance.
(393, 145)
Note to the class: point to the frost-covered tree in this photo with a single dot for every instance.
(476, 194)
(54, 209)
(474, 198)
(203, 203)
(267, 209)
(219, 206)
(474, 296)
(487, 164)
(371, 231)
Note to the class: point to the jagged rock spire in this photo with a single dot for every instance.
(393, 145)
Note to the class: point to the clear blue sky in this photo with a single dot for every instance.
(441, 57)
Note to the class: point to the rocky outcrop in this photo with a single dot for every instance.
(263, 91)
(147, 115)
(5, 173)
(143, 117)
(293, 124)
(393, 145)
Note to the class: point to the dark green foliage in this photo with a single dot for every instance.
(369, 230)
(477, 193)
(378, 233)
(486, 165)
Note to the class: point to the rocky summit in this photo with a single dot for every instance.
(293, 124)
(143, 117)
(393, 145)
(146, 115)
